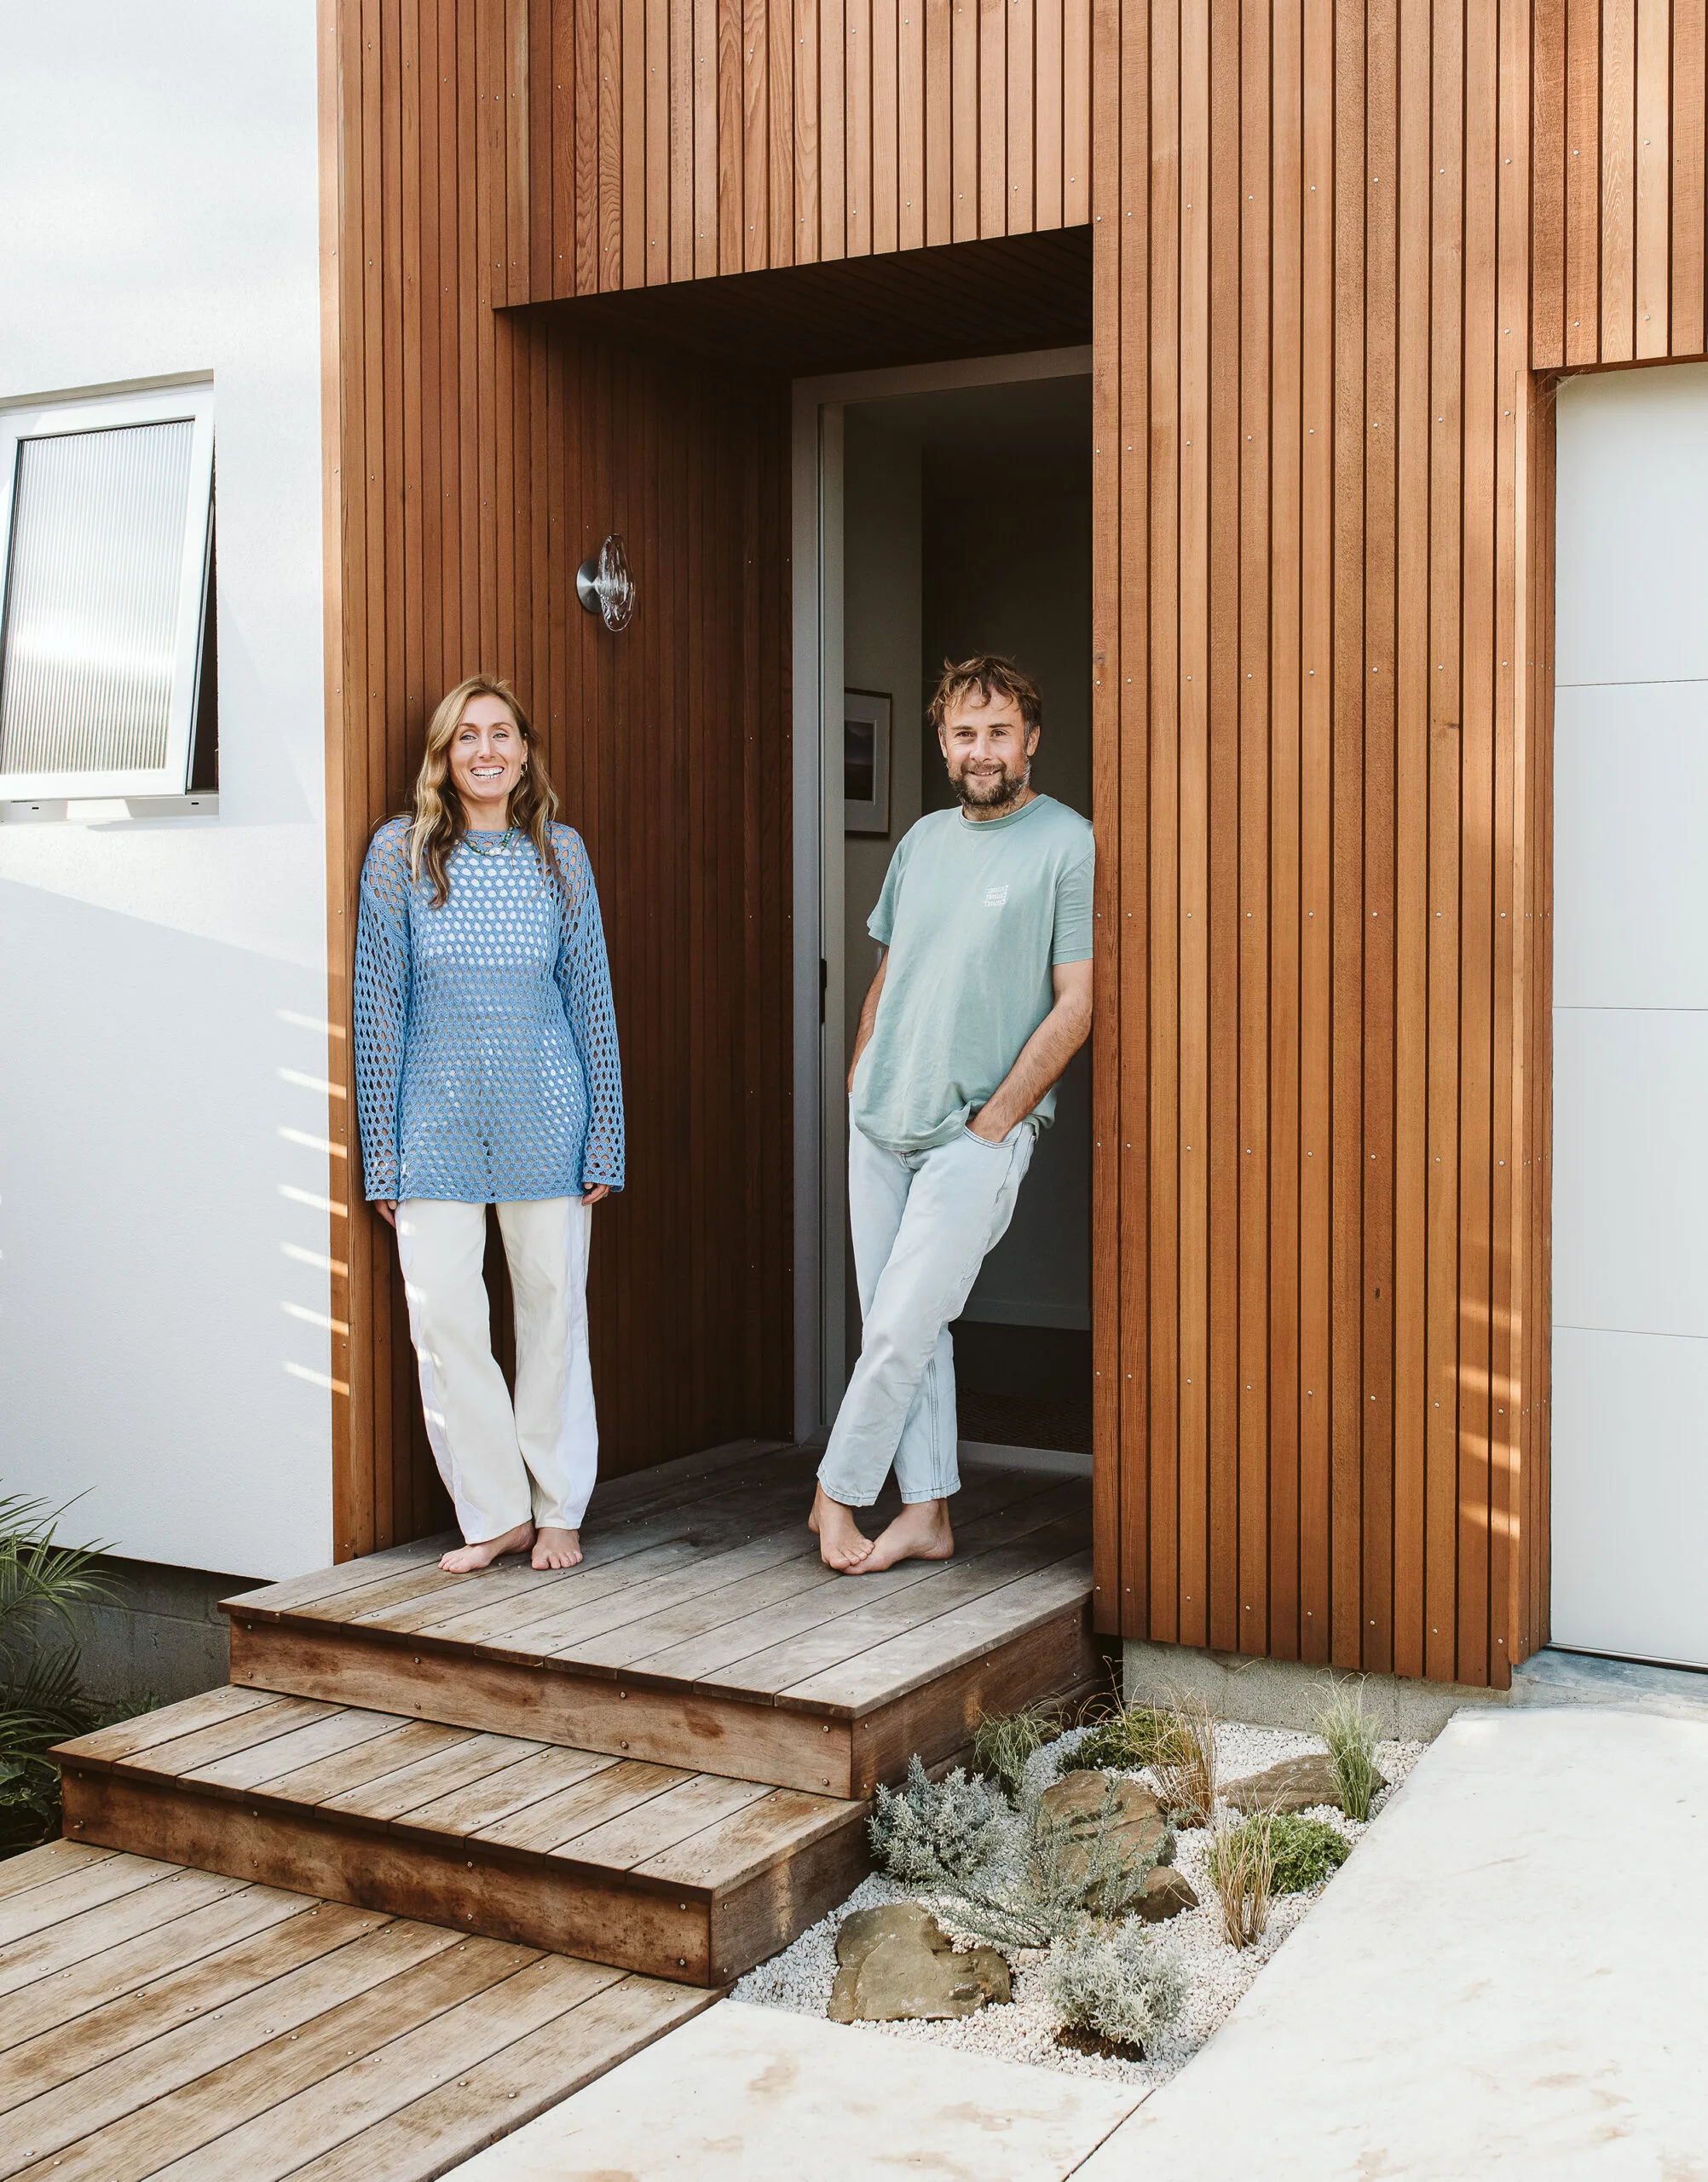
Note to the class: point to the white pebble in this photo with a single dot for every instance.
(800, 1978)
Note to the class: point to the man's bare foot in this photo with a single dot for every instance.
(463, 1559)
(920, 1532)
(841, 1542)
(556, 1548)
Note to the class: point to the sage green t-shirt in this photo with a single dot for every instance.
(975, 913)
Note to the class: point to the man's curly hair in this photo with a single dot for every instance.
(992, 675)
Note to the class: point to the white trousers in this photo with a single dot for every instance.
(504, 1464)
(920, 1224)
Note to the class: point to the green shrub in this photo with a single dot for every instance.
(1004, 1746)
(1122, 1986)
(1136, 1735)
(1351, 1735)
(929, 1834)
(1305, 1850)
(42, 1701)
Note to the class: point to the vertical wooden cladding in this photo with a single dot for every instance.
(479, 455)
(1323, 634)
(665, 139)
(1621, 226)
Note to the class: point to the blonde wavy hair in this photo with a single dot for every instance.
(438, 820)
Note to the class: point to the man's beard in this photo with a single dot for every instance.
(990, 791)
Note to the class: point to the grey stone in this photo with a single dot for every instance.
(1166, 1893)
(1295, 1784)
(1138, 1827)
(859, 1934)
(899, 1965)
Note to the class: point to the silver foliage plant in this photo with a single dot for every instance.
(936, 1834)
(1120, 1985)
(1039, 1886)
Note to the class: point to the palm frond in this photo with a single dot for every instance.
(38, 1574)
(44, 1706)
(42, 1702)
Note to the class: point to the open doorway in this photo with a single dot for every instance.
(944, 511)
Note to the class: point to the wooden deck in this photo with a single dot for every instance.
(448, 1846)
(157, 2020)
(685, 1875)
(702, 1630)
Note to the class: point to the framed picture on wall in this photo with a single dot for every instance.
(865, 761)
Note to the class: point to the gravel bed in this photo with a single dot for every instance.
(800, 1978)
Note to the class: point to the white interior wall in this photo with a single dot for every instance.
(1630, 1498)
(881, 650)
(164, 1219)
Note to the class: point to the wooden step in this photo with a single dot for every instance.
(678, 1873)
(156, 2018)
(703, 1630)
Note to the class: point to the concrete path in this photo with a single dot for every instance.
(747, 2094)
(1510, 1977)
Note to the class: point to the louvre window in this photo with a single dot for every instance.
(107, 511)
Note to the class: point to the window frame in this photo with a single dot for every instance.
(50, 419)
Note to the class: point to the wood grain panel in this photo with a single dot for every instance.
(532, 442)
(1620, 143)
(648, 141)
(239, 2038)
(1323, 771)
(1333, 242)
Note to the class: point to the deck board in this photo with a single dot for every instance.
(61, 1946)
(504, 1790)
(160, 1957)
(67, 1894)
(534, 1844)
(432, 1780)
(701, 1608)
(303, 2039)
(905, 1662)
(371, 1759)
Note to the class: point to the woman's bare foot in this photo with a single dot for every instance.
(841, 1542)
(556, 1548)
(463, 1559)
(920, 1532)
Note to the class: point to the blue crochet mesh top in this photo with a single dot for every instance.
(485, 1044)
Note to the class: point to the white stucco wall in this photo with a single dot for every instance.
(163, 1326)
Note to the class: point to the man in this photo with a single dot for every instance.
(982, 996)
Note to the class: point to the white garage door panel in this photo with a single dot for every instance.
(1631, 1495)
(1629, 1409)
(1630, 872)
(1631, 1170)
(1632, 565)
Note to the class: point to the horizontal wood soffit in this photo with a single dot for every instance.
(924, 306)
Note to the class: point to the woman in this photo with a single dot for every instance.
(486, 1073)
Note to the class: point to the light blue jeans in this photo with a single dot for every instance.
(920, 1223)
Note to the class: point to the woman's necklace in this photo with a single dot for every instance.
(481, 849)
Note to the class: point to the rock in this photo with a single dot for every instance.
(1295, 1784)
(1166, 1893)
(899, 1965)
(859, 1934)
(1138, 1827)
